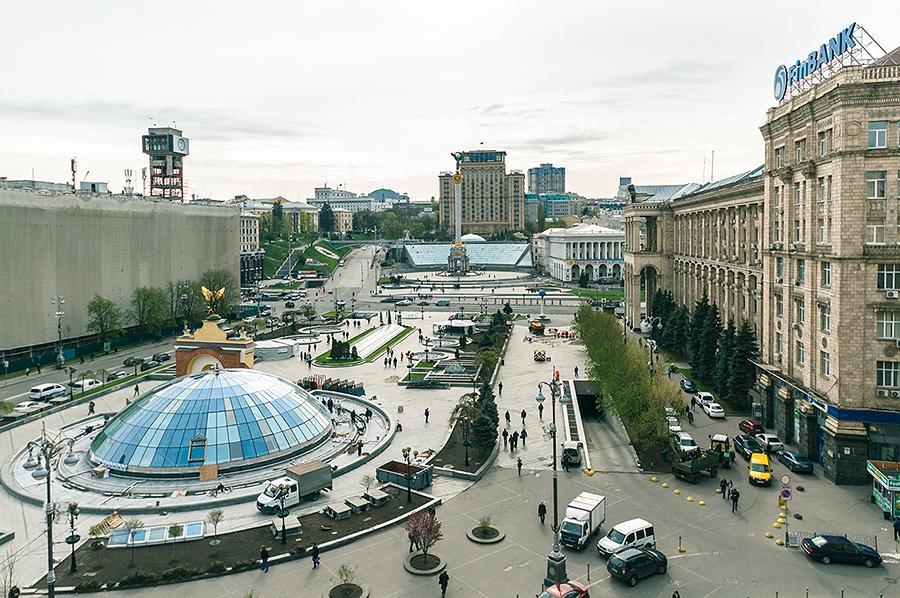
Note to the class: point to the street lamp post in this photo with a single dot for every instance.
(73, 538)
(282, 513)
(556, 560)
(407, 455)
(466, 438)
(59, 301)
(71, 387)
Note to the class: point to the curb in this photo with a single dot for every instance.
(500, 537)
(442, 564)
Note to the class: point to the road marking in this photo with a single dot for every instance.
(681, 556)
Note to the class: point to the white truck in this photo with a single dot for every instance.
(584, 516)
(299, 482)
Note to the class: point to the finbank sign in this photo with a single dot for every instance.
(785, 76)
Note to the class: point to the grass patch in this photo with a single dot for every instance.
(325, 358)
(600, 295)
(327, 265)
(414, 376)
(336, 314)
(425, 364)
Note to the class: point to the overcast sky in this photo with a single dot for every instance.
(278, 98)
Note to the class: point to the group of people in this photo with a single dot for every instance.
(390, 359)
(264, 557)
(729, 492)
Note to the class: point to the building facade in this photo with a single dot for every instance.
(807, 249)
(251, 253)
(347, 200)
(343, 220)
(567, 253)
(493, 200)
(166, 149)
(547, 178)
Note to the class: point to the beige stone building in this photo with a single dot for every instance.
(808, 250)
(493, 200)
(343, 220)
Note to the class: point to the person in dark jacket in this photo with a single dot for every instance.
(264, 557)
(443, 581)
(315, 556)
(542, 511)
(505, 438)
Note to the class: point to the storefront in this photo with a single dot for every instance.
(885, 486)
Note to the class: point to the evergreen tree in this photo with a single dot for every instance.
(488, 404)
(484, 432)
(709, 341)
(742, 371)
(326, 218)
(723, 362)
(695, 330)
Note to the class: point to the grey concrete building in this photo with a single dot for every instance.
(547, 178)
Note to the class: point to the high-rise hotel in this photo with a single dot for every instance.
(493, 200)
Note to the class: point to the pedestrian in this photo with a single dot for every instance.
(519, 465)
(353, 416)
(542, 511)
(723, 486)
(565, 463)
(315, 556)
(91, 407)
(735, 495)
(675, 594)
(523, 417)
(541, 411)
(427, 413)
(395, 363)
(505, 437)
(330, 405)
(412, 543)
(690, 416)
(500, 389)
(576, 371)
(27, 371)
(264, 557)
(444, 581)
(896, 529)
(523, 436)
(507, 418)
(14, 592)
(137, 390)
(38, 366)
(515, 440)
(359, 446)
(369, 411)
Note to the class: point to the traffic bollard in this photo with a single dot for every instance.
(589, 572)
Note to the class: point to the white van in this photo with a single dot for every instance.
(45, 392)
(635, 533)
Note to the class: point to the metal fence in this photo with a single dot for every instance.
(795, 537)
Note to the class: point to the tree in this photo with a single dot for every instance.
(709, 342)
(148, 309)
(184, 303)
(724, 357)
(742, 371)
(217, 279)
(507, 309)
(277, 217)
(541, 218)
(214, 518)
(367, 481)
(424, 530)
(326, 219)
(353, 353)
(131, 525)
(8, 573)
(698, 316)
(584, 280)
(307, 311)
(175, 530)
(347, 574)
(104, 318)
(484, 432)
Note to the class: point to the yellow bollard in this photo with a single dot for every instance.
(702, 503)
(768, 535)
(654, 479)
(779, 542)
(665, 484)
(676, 491)
(718, 491)
(776, 525)
(782, 515)
(690, 499)
(780, 520)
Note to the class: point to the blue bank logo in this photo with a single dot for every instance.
(801, 69)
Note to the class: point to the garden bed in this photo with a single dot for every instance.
(237, 551)
(453, 453)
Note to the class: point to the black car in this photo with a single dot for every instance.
(289, 304)
(838, 549)
(747, 445)
(688, 386)
(161, 357)
(795, 461)
(149, 364)
(631, 564)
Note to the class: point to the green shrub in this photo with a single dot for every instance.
(180, 572)
(88, 586)
(216, 567)
(138, 578)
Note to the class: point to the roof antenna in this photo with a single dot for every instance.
(703, 176)
(712, 167)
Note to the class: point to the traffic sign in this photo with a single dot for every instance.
(786, 493)
(785, 479)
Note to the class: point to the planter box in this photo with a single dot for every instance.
(395, 472)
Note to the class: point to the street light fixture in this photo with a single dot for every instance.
(71, 371)
(73, 538)
(407, 456)
(59, 301)
(556, 560)
(466, 438)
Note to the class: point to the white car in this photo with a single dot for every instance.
(404, 303)
(770, 442)
(714, 410)
(25, 406)
(686, 443)
(83, 385)
(673, 424)
(705, 397)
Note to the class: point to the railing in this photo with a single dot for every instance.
(881, 72)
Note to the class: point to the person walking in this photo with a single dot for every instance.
(264, 557)
(524, 414)
(723, 487)
(412, 543)
(576, 371)
(523, 436)
(500, 389)
(137, 391)
(507, 418)
(542, 511)
(519, 465)
(735, 495)
(427, 413)
(541, 411)
(444, 581)
(896, 529)
(91, 407)
(515, 440)
(690, 416)
(505, 438)
(315, 556)
(565, 463)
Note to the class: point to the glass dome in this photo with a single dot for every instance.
(231, 418)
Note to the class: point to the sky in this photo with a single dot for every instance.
(280, 97)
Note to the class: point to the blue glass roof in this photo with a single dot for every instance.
(231, 418)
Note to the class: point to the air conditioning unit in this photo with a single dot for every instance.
(895, 394)
(883, 393)
(892, 294)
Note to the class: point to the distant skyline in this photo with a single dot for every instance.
(280, 98)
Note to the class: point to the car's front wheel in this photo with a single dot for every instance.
(632, 581)
(869, 563)
(661, 569)
(826, 560)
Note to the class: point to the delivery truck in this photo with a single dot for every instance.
(584, 516)
(299, 482)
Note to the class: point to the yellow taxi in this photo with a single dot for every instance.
(760, 471)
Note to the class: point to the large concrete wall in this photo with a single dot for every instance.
(80, 245)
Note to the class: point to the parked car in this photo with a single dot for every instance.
(747, 445)
(838, 549)
(688, 386)
(116, 375)
(86, 383)
(442, 303)
(25, 406)
(751, 427)
(148, 365)
(404, 303)
(673, 424)
(714, 410)
(685, 444)
(705, 397)
(289, 304)
(161, 357)
(770, 442)
(795, 461)
(45, 392)
(570, 589)
(759, 471)
(634, 533)
(390, 300)
(422, 303)
(631, 564)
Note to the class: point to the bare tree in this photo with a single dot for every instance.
(214, 518)
(131, 525)
(367, 481)
(175, 530)
(8, 573)
(424, 530)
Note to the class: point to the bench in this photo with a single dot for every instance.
(357, 504)
(377, 497)
(338, 511)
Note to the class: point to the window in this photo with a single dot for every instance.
(887, 373)
(779, 342)
(798, 198)
(828, 192)
(825, 317)
(797, 231)
(822, 147)
(799, 150)
(801, 309)
(888, 276)
(875, 234)
(876, 184)
(820, 190)
(824, 363)
(887, 324)
(877, 134)
(779, 267)
(778, 194)
(826, 274)
(820, 227)
(801, 271)
(779, 156)
(800, 353)
(779, 305)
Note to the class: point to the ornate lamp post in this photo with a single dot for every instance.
(59, 301)
(73, 538)
(466, 438)
(556, 560)
(71, 371)
(282, 512)
(407, 456)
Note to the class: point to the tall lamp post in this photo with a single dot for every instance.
(73, 538)
(282, 512)
(407, 456)
(71, 371)
(556, 560)
(59, 301)
(466, 438)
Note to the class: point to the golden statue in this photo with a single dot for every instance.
(213, 300)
